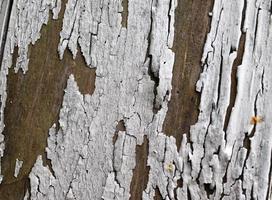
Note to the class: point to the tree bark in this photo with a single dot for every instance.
(135, 99)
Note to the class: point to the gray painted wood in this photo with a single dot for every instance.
(87, 163)
(25, 22)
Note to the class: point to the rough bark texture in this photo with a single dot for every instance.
(115, 140)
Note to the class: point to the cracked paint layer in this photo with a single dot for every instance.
(191, 28)
(217, 161)
(219, 158)
(4, 16)
(87, 122)
(25, 19)
(4, 13)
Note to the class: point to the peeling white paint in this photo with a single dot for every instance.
(85, 162)
(26, 19)
(18, 166)
(41, 182)
(26, 197)
(4, 13)
(118, 182)
(220, 158)
(212, 157)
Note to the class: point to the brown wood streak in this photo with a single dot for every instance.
(125, 13)
(33, 105)
(34, 99)
(192, 24)
(191, 27)
(140, 172)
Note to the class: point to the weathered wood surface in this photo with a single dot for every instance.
(37, 106)
(102, 141)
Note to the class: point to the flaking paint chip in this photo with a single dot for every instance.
(18, 166)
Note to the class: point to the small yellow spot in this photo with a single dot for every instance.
(169, 167)
(255, 120)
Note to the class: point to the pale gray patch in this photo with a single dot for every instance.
(18, 166)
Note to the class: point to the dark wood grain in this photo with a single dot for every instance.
(192, 23)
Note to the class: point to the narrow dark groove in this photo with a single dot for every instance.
(251, 194)
(156, 80)
(153, 76)
(5, 31)
(188, 194)
(191, 28)
(220, 79)
(140, 172)
(226, 173)
(169, 16)
(243, 15)
(247, 145)
(254, 123)
(269, 179)
(33, 104)
(256, 29)
(237, 62)
(233, 88)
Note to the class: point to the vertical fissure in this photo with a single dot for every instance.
(141, 171)
(237, 62)
(188, 194)
(269, 179)
(169, 16)
(151, 73)
(220, 79)
(156, 81)
(233, 88)
(5, 31)
(191, 28)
